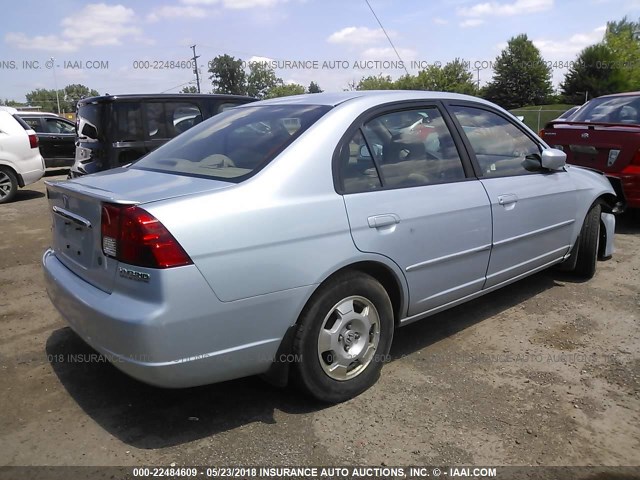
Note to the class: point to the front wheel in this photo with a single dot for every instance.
(343, 338)
(588, 243)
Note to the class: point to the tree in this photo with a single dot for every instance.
(453, 77)
(623, 39)
(227, 75)
(314, 88)
(590, 74)
(74, 92)
(46, 99)
(520, 75)
(262, 78)
(373, 82)
(189, 89)
(285, 89)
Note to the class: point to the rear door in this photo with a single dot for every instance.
(533, 212)
(416, 201)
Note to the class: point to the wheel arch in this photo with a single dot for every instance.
(9, 167)
(389, 277)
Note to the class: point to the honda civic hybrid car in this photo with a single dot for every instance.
(291, 237)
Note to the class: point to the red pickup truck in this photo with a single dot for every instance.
(604, 134)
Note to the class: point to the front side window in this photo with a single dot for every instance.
(499, 145)
(53, 125)
(233, 144)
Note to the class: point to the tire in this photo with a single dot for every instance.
(353, 313)
(8, 185)
(588, 242)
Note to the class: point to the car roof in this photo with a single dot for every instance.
(37, 114)
(623, 94)
(162, 96)
(369, 96)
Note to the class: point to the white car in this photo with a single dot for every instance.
(20, 161)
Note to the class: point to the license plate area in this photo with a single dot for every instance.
(73, 240)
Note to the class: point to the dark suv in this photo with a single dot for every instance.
(115, 130)
(56, 136)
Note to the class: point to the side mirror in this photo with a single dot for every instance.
(553, 159)
(364, 152)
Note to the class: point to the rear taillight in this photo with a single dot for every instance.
(634, 166)
(134, 236)
(33, 140)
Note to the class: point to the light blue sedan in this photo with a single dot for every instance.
(290, 237)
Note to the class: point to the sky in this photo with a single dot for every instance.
(142, 47)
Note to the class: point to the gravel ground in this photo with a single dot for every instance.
(543, 372)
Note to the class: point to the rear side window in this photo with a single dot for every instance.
(234, 144)
(499, 145)
(127, 122)
(410, 148)
(33, 122)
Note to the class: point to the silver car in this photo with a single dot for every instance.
(290, 237)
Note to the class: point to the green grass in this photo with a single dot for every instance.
(535, 117)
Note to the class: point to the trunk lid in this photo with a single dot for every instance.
(607, 147)
(76, 210)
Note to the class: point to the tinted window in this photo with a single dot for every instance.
(413, 148)
(54, 125)
(356, 170)
(233, 144)
(33, 122)
(499, 145)
(88, 121)
(127, 122)
(610, 110)
(183, 116)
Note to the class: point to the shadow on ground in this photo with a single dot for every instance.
(25, 195)
(148, 417)
(628, 222)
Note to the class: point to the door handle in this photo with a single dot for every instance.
(507, 198)
(385, 220)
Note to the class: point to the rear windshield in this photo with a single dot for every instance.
(88, 121)
(624, 109)
(234, 144)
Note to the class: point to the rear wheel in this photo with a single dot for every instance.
(343, 338)
(588, 242)
(8, 185)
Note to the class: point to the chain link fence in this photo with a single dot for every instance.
(536, 119)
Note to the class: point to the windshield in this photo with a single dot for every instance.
(624, 109)
(234, 144)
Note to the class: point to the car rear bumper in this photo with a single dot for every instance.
(630, 187)
(183, 336)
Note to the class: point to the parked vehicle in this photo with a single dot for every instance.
(20, 161)
(604, 134)
(56, 137)
(242, 247)
(115, 130)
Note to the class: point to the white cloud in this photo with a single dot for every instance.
(519, 7)
(51, 43)
(101, 24)
(236, 4)
(568, 48)
(169, 11)
(440, 21)
(258, 59)
(387, 53)
(95, 25)
(357, 36)
(471, 22)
